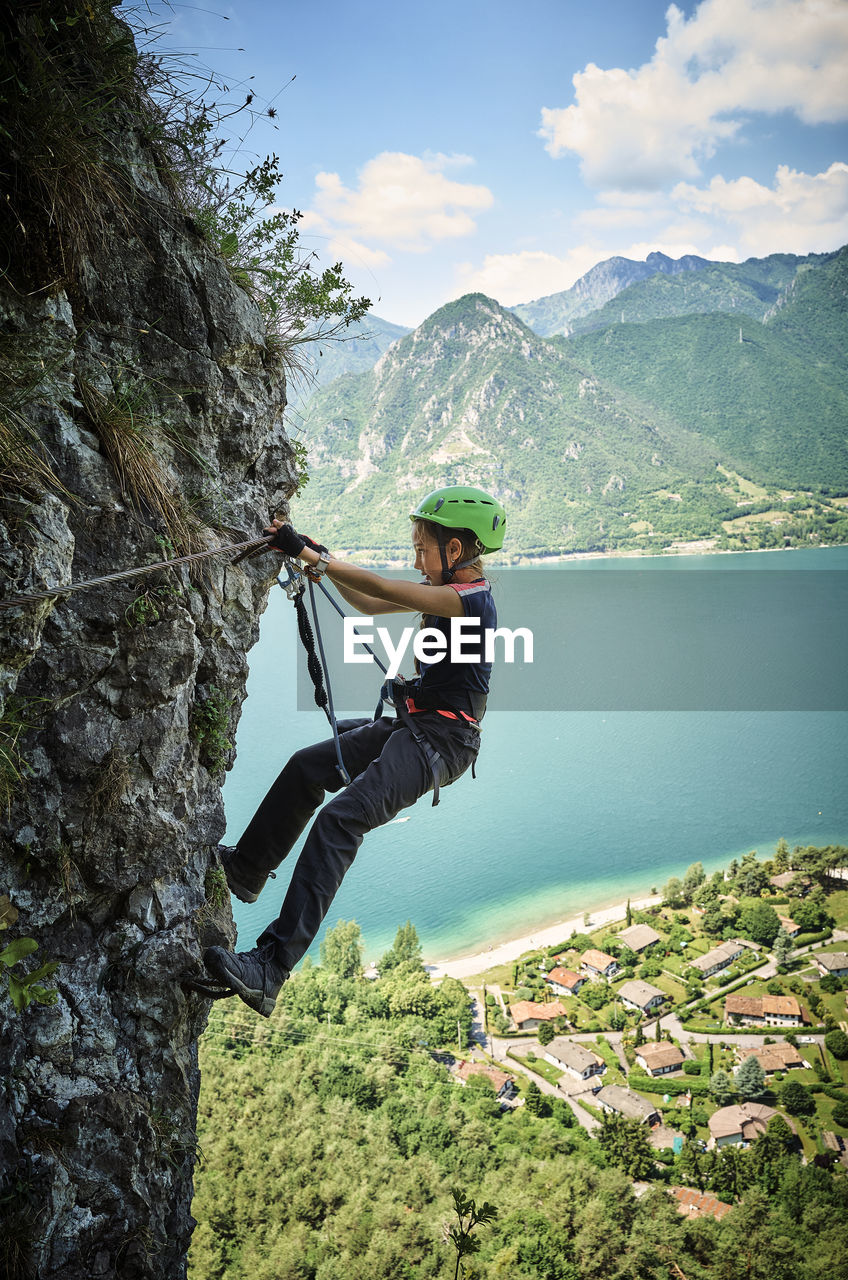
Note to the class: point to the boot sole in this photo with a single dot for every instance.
(239, 891)
(263, 1005)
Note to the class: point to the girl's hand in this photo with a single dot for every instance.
(286, 538)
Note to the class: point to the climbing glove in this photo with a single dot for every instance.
(287, 540)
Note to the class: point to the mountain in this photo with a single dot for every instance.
(772, 396)
(357, 350)
(748, 288)
(701, 426)
(474, 396)
(555, 313)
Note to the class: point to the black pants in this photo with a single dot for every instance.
(388, 772)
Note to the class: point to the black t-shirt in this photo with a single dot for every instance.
(461, 686)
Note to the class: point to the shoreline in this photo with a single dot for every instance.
(695, 548)
(549, 935)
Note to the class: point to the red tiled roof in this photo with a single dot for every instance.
(523, 1009)
(697, 1203)
(597, 959)
(565, 977)
(498, 1078)
(660, 1055)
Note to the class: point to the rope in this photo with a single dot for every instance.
(16, 602)
(331, 711)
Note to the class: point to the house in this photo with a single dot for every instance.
(641, 995)
(624, 1102)
(565, 982)
(639, 937)
(833, 962)
(801, 886)
(576, 1059)
(597, 964)
(790, 926)
(719, 958)
(782, 881)
(699, 1204)
(527, 1015)
(771, 1011)
(740, 1124)
(503, 1084)
(774, 1057)
(659, 1059)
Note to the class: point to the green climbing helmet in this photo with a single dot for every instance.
(462, 507)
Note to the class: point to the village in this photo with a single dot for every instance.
(704, 1039)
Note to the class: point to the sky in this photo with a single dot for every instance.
(476, 145)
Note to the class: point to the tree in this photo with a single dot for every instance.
(750, 1078)
(341, 949)
(693, 878)
(595, 994)
(533, 1099)
(810, 916)
(751, 878)
(546, 1033)
(796, 1099)
(468, 1216)
(837, 1042)
(760, 923)
(406, 948)
(840, 1115)
(819, 863)
(782, 946)
(721, 1087)
(629, 916)
(672, 892)
(627, 1144)
(714, 920)
(781, 856)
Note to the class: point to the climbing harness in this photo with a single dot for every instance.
(395, 692)
(247, 548)
(309, 631)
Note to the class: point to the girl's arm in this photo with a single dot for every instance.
(368, 605)
(386, 595)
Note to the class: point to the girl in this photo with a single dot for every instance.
(391, 762)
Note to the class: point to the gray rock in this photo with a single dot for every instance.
(110, 829)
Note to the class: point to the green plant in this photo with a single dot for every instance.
(66, 70)
(128, 436)
(301, 454)
(110, 783)
(263, 253)
(210, 726)
(216, 888)
(468, 1216)
(16, 717)
(24, 988)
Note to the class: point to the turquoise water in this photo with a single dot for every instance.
(570, 810)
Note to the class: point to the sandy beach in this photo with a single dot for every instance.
(506, 952)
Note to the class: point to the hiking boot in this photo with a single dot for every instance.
(256, 975)
(243, 883)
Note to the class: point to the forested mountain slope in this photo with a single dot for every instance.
(631, 436)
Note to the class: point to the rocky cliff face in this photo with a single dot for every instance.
(142, 416)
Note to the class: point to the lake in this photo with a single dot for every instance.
(685, 719)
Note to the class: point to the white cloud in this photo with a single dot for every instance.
(801, 213)
(401, 200)
(658, 123)
(511, 278)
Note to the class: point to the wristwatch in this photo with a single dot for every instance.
(323, 564)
